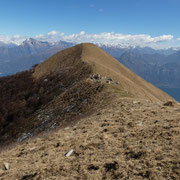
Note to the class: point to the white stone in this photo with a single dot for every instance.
(7, 166)
(33, 148)
(69, 153)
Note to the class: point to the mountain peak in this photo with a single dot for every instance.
(100, 63)
(30, 42)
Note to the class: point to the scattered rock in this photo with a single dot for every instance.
(168, 103)
(32, 149)
(29, 176)
(156, 121)
(135, 155)
(53, 126)
(104, 124)
(135, 102)
(20, 154)
(96, 76)
(69, 153)
(24, 137)
(111, 166)
(105, 130)
(92, 167)
(109, 79)
(85, 101)
(130, 124)
(57, 144)
(6, 166)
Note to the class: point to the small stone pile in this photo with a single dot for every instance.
(99, 78)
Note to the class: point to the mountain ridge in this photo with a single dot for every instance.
(82, 115)
(69, 83)
(105, 65)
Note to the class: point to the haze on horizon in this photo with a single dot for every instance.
(152, 23)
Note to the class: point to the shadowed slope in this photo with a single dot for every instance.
(31, 106)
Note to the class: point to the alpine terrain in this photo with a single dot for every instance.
(81, 114)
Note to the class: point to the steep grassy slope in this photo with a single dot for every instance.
(127, 139)
(62, 88)
(24, 98)
(113, 122)
(105, 65)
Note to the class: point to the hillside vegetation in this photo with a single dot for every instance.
(82, 115)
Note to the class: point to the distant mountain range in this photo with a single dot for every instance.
(18, 58)
(158, 66)
(161, 70)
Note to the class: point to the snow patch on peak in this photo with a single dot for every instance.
(30, 41)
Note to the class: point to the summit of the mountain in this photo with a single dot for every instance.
(101, 63)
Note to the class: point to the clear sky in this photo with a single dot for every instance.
(33, 17)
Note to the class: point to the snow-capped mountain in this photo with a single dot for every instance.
(28, 53)
(144, 61)
(33, 42)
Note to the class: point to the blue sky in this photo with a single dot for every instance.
(129, 17)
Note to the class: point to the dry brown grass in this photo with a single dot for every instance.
(117, 131)
(126, 139)
(104, 64)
